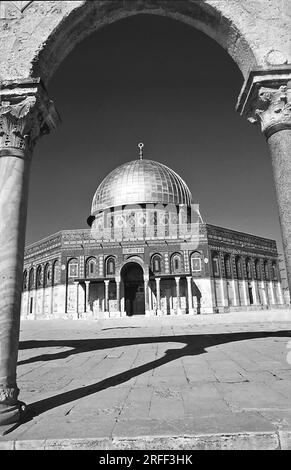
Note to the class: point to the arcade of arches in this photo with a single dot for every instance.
(35, 37)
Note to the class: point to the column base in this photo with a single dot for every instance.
(160, 312)
(11, 415)
(191, 311)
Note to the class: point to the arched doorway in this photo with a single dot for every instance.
(133, 283)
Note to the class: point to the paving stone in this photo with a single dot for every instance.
(115, 381)
(247, 395)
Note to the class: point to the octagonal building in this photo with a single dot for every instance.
(148, 252)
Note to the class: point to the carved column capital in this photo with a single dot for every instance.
(26, 113)
(266, 99)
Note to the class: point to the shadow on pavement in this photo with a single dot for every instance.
(194, 345)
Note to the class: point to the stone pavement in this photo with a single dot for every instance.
(139, 379)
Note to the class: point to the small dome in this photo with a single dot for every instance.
(141, 182)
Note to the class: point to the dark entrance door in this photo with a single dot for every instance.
(132, 275)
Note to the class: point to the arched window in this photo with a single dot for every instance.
(55, 271)
(31, 279)
(227, 265)
(73, 267)
(47, 275)
(249, 268)
(257, 269)
(156, 263)
(238, 265)
(215, 265)
(266, 270)
(195, 260)
(38, 277)
(91, 268)
(176, 263)
(274, 271)
(24, 280)
(110, 266)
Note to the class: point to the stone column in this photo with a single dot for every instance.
(86, 306)
(150, 298)
(52, 301)
(117, 280)
(28, 300)
(76, 316)
(106, 302)
(158, 292)
(146, 295)
(266, 99)
(190, 295)
(25, 114)
(177, 279)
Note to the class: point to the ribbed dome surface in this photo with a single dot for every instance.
(138, 182)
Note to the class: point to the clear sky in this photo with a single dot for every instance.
(158, 81)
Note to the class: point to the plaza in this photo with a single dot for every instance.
(218, 381)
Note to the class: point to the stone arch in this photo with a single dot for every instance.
(257, 270)
(196, 261)
(72, 268)
(274, 271)
(177, 264)
(38, 277)
(91, 266)
(59, 26)
(132, 259)
(266, 270)
(227, 265)
(156, 263)
(55, 271)
(24, 280)
(47, 275)
(239, 267)
(249, 268)
(215, 264)
(110, 265)
(31, 279)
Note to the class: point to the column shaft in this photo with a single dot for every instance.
(14, 176)
(279, 145)
(87, 287)
(77, 300)
(118, 295)
(190, 296)
(158, 294)
(106, 305)
(146, 296)
(177, 279)
(25, 114)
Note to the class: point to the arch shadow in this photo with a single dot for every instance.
(194, 345)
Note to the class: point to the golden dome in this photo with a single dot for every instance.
(141, 182)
